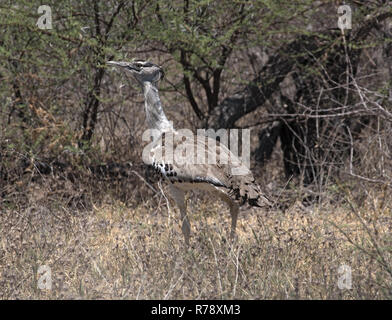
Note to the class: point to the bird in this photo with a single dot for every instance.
(180, 171)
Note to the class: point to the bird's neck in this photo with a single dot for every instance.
(155, 116)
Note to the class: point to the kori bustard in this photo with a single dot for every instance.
(216, 178)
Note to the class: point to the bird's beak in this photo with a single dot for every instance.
(128, 65)
(116, 63)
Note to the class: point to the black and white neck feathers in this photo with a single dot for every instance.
(155, 116)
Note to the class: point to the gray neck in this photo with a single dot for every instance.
(155, 116)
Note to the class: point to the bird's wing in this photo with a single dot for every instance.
(203, 160)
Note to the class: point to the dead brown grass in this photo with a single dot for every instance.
(112, 251)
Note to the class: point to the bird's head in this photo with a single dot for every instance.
(143, 71)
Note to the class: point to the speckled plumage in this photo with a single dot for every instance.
(240, 188)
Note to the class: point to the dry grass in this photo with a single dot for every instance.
(111, 251)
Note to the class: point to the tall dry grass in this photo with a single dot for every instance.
(115, 250)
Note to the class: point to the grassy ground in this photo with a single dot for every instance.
(112, 251)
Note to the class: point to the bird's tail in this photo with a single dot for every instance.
(261, 201)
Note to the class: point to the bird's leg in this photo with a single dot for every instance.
(234, 209)
(179, 198)
(186, 227)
